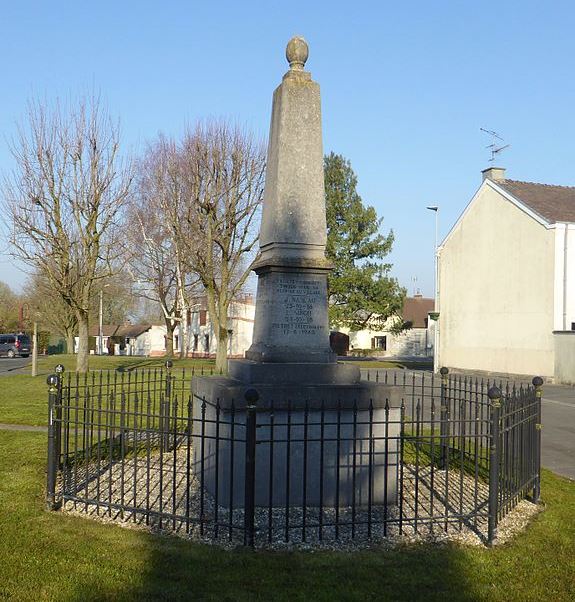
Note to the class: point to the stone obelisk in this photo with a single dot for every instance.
(291, 322)
(290, 357)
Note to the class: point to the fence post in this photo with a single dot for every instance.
(494, 395)
(537, 383)
(53, 382)
(59, 369)
(251, 397)
(167, 403)
(444, 419)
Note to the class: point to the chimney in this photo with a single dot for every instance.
(494, 173)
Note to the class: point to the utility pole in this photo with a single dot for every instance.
(101, 325)
(35, 350)
(436, 366)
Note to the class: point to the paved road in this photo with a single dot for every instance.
(558, 418)
(558, 434)
(13, 365)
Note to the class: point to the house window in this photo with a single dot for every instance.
(177, 341)
(379, 343)
(203, 313)
(572, 325)
(207, 342)
(195, 342)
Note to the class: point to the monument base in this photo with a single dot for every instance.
(316, 424)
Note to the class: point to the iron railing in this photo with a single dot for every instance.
(454, 454)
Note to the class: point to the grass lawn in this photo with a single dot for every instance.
(51, 556)
(24, 399)
(364, 364)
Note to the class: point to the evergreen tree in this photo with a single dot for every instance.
(361, 292)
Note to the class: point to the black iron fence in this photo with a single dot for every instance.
(453, 454)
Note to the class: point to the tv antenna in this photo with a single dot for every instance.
(495, 147)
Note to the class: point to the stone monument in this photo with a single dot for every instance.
(290, 360)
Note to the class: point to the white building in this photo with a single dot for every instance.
(202, 339)
(128, 339)
(418, 340)
(507, 281)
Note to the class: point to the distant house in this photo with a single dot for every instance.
(507, 281)
(128, 339)
(202, 338)
(417, 340)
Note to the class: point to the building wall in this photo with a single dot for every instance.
(151, 342)
(496, 290)
(564, 357)
(241, 323)
(415, 341)
(564, 308)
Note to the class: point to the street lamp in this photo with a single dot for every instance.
(101, 322)
(435, 209)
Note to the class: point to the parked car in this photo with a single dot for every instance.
(13, 345)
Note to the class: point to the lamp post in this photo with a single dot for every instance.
(435, 209)
(101, 324)
(101, 321)
(35, 349)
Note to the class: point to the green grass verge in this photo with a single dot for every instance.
(364, 364)
(24, 399)
(104, 362)
(51, 556)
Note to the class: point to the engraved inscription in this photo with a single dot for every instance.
(297, 298)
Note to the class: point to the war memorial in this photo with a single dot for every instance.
(292, 447)
(290, 363)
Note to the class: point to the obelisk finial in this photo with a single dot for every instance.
(297, 52)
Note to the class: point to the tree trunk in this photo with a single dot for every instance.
(222, 350)
(170, 327)
(83, 351)
(220, 310)
(70, 342)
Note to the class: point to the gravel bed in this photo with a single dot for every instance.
(144, 494)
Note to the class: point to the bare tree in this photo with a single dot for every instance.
(54, 314)
(9, 302)
(153, 264)
(224, 178)
(65, 201)
(162, 238)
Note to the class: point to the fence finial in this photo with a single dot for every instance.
(251, 396)
(53, 380)
(494, 394)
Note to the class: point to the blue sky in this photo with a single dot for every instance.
(405, 88)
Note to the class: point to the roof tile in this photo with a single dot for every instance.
(553, 203)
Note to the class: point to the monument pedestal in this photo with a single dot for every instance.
(318, 445)
(291, 322)
(333, 385)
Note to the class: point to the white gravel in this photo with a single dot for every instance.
(149, 492)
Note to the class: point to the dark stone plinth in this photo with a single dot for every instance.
(336, 474)
(286, 398)
(230, 391)
(293, 373)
